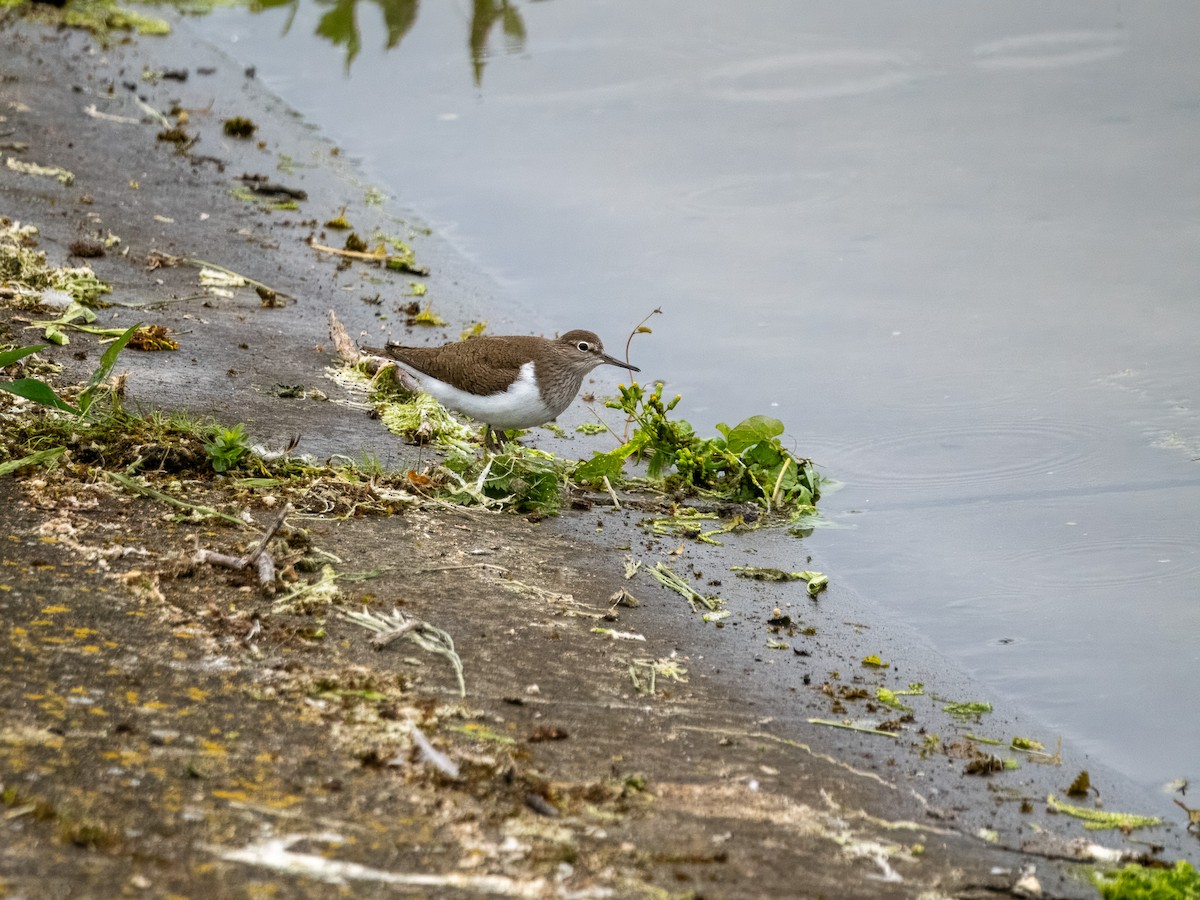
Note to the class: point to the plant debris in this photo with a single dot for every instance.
(1100, 820)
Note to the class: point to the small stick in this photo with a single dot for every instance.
(608, 487)
(379, 256)
(269, 534)
(384, 638)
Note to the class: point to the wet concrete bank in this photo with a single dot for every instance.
(170, 731)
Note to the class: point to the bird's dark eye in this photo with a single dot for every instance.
(584, 346)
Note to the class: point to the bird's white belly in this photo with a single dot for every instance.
(521, 406)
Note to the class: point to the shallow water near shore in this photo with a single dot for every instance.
(952, 248)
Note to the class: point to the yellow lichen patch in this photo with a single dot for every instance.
(90, 648)
(85, 632)
(131, 697)
(55, 610)
(239, 796)
(212, 748)
(197, 695)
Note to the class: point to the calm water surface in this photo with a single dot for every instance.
(954, 246)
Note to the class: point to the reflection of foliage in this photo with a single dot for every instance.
(339, 25)
(484, 18)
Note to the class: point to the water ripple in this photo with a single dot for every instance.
(817, 75)
(1119, 562)
(1050, 50)
(981, 454)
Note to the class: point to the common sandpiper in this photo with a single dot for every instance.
(504, 381)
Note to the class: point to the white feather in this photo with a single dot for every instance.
(521, 406)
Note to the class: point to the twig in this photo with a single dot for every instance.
(608, 487)
(258, 557)
(865, 729)
(158, 258)
(109, 117)
(379, 256)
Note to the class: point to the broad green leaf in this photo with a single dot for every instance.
(8, 357)
(601, 466)
(38, 392)
(55, 335)
(751, 431)
(766, 454)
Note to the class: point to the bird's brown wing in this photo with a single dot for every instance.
(487, 365)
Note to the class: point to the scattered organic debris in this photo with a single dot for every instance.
(760, 573)
(212, 276)
(1136, 882)
(260, 557)
(428, 637)
(1099, 819)
(672, 580)
(968, 710)
(1193, 814)
(153, 338)
(399, 261)
(26, 276)
(99, 18)
(643, 673)
(61, 175)
(890, 698)
(431, 755)
(261, 184)
(1081, 786)
(852, 726)
(240, 127)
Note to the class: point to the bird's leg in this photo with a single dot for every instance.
(493, 439)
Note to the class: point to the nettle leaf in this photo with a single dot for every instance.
(601, 466)
(750, 432)
(38, 392)
(765, 453)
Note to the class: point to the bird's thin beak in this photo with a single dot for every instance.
(621, 364)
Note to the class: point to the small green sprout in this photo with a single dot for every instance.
(226, 447)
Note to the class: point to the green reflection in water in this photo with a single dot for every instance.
(339, 25)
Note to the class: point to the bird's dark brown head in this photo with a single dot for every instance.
(583, 351)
